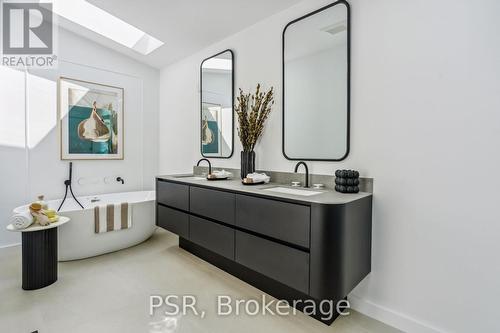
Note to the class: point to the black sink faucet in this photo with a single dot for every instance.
(120, 179)
(307, 171)
(209, 165)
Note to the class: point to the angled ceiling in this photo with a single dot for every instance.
(185, 26)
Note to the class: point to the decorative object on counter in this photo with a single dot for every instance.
(214, 177)
(219, 175)
(347, 181)
(256, 179)
(247, 163)
(249, 181)
(252, 111)
(67, 183)
(90, 120)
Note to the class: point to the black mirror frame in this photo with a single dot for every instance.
(346, 4)
(232, 103)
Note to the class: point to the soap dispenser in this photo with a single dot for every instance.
(42, 202)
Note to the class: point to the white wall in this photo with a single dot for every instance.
(13, 155)
(425, 125)
(30, 154)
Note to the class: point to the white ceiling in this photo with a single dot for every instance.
(185, 26)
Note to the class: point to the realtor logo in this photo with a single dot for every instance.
(28, 34)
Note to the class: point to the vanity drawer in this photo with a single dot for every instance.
(173, 220)
(217, 205)
(212, 236)
(279, 262)
(173, 195)
(280, 220)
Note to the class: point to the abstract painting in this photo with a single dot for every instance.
(90, 120)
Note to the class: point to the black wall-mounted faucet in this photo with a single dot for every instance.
(120, 179)
(209, 165)
(307, 171)
(67, 183)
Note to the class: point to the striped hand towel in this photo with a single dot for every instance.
(112, 217)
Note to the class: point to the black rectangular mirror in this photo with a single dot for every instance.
(316, 92)
(216, 104)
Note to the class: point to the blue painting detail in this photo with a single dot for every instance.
(212, 147)
(79, 146)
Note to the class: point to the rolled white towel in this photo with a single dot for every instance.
(259, 177)
(21, 220)
(222, 174)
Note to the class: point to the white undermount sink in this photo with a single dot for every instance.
(294, 191)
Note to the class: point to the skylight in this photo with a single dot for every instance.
(94, 18)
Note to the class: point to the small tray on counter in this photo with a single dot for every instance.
(251, 183)
(224, 178)
(211, 176)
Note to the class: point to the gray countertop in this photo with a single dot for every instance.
(327, 196)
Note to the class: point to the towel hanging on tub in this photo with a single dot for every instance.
(112, 217)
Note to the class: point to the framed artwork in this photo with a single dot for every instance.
(90, 120)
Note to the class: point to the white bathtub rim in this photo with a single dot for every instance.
(149, 195)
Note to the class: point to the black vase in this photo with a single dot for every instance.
(247, 163)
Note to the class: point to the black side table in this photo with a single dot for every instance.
(39, 246)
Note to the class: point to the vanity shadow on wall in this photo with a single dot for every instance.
(316, 85)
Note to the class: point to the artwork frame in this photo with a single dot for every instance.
(90, 118)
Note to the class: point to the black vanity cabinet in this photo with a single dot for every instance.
(293, 249)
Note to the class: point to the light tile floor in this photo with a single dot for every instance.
(110, 293)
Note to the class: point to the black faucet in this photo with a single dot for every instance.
(67, 183)
(209, 165)
(307, 171)
(120, 179)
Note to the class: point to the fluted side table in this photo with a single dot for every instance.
(39, 247)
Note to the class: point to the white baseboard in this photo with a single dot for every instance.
(9, 245)
(390, 317)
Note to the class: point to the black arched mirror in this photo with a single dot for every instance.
(316, 92)
(216, 104)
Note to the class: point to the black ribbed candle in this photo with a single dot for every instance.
(347, 181)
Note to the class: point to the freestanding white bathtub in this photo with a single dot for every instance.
(77, 239)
